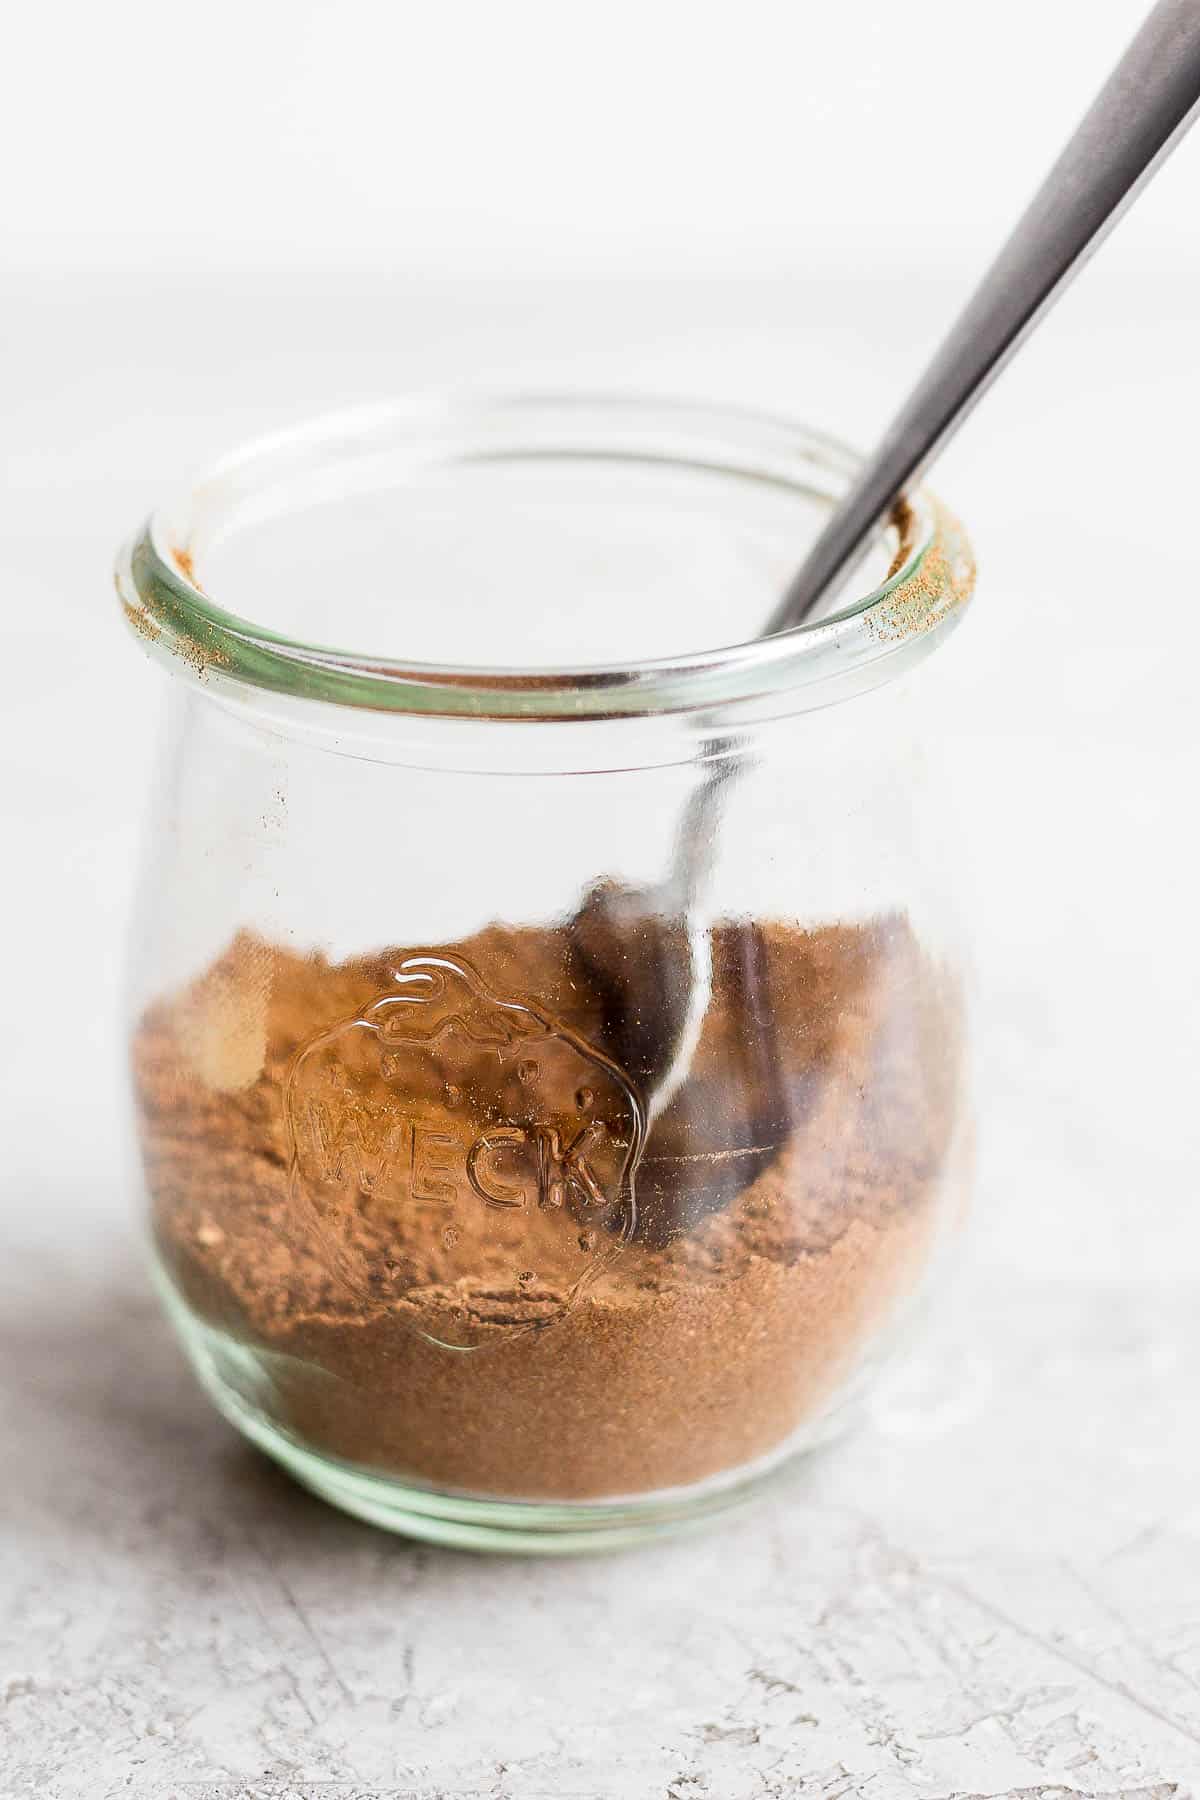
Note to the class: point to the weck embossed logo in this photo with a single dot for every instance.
(447, 1132)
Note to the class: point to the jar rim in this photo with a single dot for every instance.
(866, 642)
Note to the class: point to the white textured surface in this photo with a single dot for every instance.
(995, 1589)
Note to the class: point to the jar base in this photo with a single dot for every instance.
(504, 1527)
(230, 1371)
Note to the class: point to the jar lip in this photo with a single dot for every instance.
(866, 642)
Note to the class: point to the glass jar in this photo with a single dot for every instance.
(546, 1029)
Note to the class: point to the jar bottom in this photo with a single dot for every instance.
(232, 1374)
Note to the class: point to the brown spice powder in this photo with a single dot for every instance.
(495, 1311)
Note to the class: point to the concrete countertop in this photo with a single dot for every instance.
(994, 1588)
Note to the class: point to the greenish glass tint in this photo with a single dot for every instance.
(871, 637)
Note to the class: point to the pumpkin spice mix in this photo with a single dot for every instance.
(424, 1190)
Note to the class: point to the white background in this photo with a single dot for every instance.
(223, 219)
(546, 138)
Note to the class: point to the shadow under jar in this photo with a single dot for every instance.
(490, 1229)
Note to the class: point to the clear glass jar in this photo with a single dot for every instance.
(547, 1048)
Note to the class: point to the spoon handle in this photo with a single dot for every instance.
(1142, 111)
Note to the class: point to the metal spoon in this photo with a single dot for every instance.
(648, 949)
